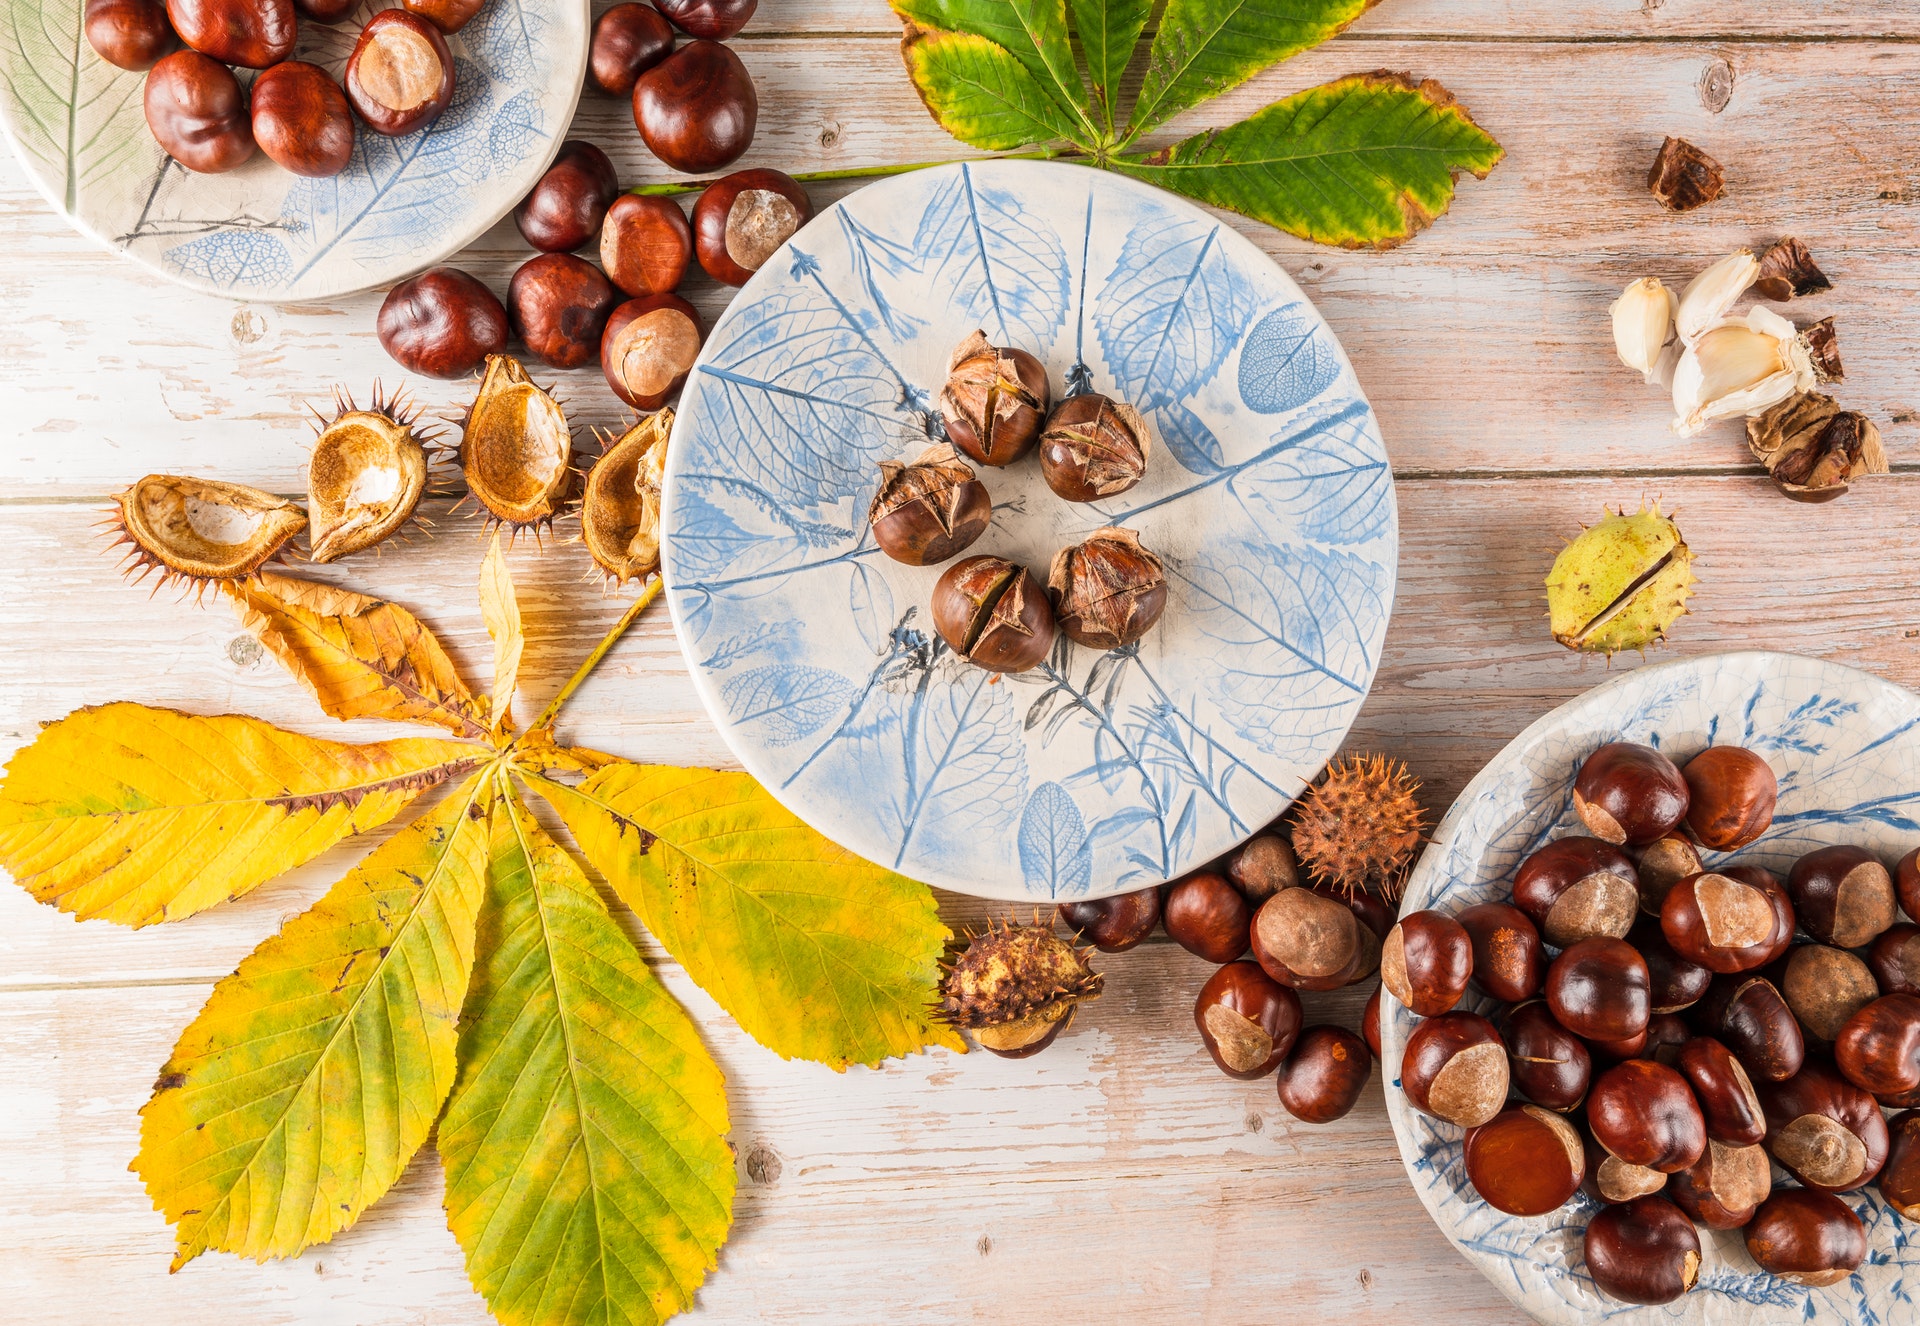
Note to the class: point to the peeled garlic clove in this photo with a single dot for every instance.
(1643, 325)
(1709, 295)
(620, 512)
(365, 478)
(1739, 366)
(202, 529)
(516, 449)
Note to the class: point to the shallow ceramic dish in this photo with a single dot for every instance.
(1268, 493)
(1845, 746)
(260, 232)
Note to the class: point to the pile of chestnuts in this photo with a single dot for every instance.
(1105, 592)
(1666, 1030)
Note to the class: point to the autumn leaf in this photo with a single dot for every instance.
(500, 610)
(588, 1176)
(980, 93)
(1033, 32)
(315, 1071)
(816, 953)
(137, 815)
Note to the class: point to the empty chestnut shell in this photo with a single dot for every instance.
(566, 205)
(1115, 924)
(1878, 1048)
(250, 33)
(1645, 1113)
(400, 75)
(1725, 1093)
(1262, 866)
(559, 305)
(1598, 990)
(1731, 795)
(645, 243)
(442, 323)
(1900, 1176)
(1643, 1251)
(130, 34)
(1894, 960)
(447, 15)
(1810, 1238)
(1843, 896)
(1578, 888)
(648, 348)
(1093, 448)
(1205, 915)
(1309, 941)
(1546, 1063)
(197, 114)
(1748, 1015)
(1726, 924)
(716, 19)
(930, 510)
(1455, 1068)
(742, 219)
(628, 40)
(1247, 1020)
(1629, 793)
(1724, 1187)
(994, 614)
(1525, 1161)
(1824, 987)
(696, 109)
(1322, 1078)
(301, 119)
(1425, 962)
(1823, 1128)
(1508, 962)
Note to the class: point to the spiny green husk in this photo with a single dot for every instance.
(1621, 584)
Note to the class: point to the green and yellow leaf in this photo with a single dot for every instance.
(1366, 161)
(1109, 30)
(500, 609)
(315, 1071)
(138, 815)
(979, 93)
(361, 657)
(1033, 32)
(817, 953)
(1204, 47)
(588, 1175)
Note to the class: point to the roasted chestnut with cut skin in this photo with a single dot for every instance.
(715, 19)
(1725, 924)
(1629, 793)
(645, 244)
(742, 219)
(1455, 1068)
(993, 401)
(129, 34)
(1425, 962)
(1808, 1237)
(1894, 960)
(197, 113)
(1114, 924)
(1731, 797)
(1878, 1049)
(648, 348)
(1645, 1113)
(994, 614)
(1093, 448)
(1525, 1161)
(566, 205)
(1262, 866)
(1824, 987)
(1749, 1016)
(1205, 915)
(1546, 1063)
(1598, 990)
(1724, 1187)
(1247, 1020)
(628, 40)
(1108, 590)
(1662, 864)
(696, 109)
(1323, 1077)
(1900, 1176)
(1578, 888)
(1508, 962)
(1724, 1091)
(1843, 896)
(559, 306)
(1823, 1128)
(447, 15)
(442, 323)
(301, 119)
(1643, 1251)
(1309, 941)
(250, 33)
(400, 75)
(930, 510)
(1673, 983)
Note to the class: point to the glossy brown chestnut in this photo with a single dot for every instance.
(1426, 961)
(1662, 864)
(1578, 888)
(1878, 1048)
(301, 119)
(1749, 1016)
(1247, 1020)
(250, 33)
(1731, 797)
(1115, 924)
(447, 15)
(1629, 793)
(1643, 1251)
(1205, 915)
(1906, 884)
(648, 348)
(696, 109)
(1645, 1113)
(1666, 1033)
(1900, 1176)
(994, 614)
(1724, 924)
(1309, 941)
(130, 34)
(717, 19)
(566, 205)
(1612, 1180)
(1810, 1238)
(645, 244)
(1323, 1077)
(1823, 1128)
(1843, 896)
(1824, 987)
(1724, 1187)
(628, 40)
(1508, 961)
(1525, 1161)
(400, 75)
(1262, 866)
(1455, 1068)
(1546, 1063)
(1894, 960)
(741, 219)
(197, 113)
(1597, 989)
(1673, 983)
(325, 11)
(1609, 1052)
(442, 323)
(1370, 1021)
(1725, 1093)
(559, 306)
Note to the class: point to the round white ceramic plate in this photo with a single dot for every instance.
(1268, 494)
(259, 232)
(1846, 748)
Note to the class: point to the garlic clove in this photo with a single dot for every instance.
(1709, 295)
(1643, 325)
(1739, 366)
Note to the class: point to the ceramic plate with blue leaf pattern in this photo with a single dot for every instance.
(259, 232)
(1845, 746)
(1268, 495)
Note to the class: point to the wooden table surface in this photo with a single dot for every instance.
(1117, 1176)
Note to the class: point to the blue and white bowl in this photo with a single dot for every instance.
(1845, 746)
(1268, 494)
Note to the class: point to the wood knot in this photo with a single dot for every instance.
(763, 1165)
(1716, 85)
(984, 1246)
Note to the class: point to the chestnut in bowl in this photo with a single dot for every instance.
(301, 119)
(400, 75)
(1426, 961)
(1808, 1237)
(1643, 1251)
(1629, 793)
(1546, 1063)
(740, 220)
(1322, 1078)
(1827, 1131)
(716, 19)
(1824, 987)
(129, 34)
(1843, 896)
(1455, 1068)
(250, 33)
(566, 205)
(996, 615)
(1508, 962)
(1646, 1114)
(325, 11)
(1731, 796)
(1309, 941)
(1205, 915)
(1247, 1020)
(1724, 923)
(1748, 1015)
(696, 109)
(1613, 1181)
(1894, 960)
(1906, 884)
(1727, 1099)
(645, 244)
(1724, 1187)
(1900, 1176)
(1878, 1048)
(648, 348)
(1673, 983)
(1525, 1161)
(1666, 1033)
(1114, 924)
(197, 113)
(1370, 1021)
(1598, 990)
(442, 323)
(1262, 866)
(447, 15)
(628, 40)
(1578, 888)
(1662, 864)
(559, 306)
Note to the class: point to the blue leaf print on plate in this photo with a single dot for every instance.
(1334, 484)
(999, 264)
(1053, 844)
(787, 701)
(1287, 362)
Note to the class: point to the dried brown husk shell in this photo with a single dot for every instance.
(1683, 177)
(620, 509)
(516, 449)
(365, 478)
(1813, 448)
(203, 529)
(1014, 976)
(1788, 271)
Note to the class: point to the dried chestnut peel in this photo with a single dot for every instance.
(994, 401)
(929, 510)
(1108, 591)
(994, 614)
(1359, 827)
(1683, 177)
(202, 529)
(1014, 988)
(1093, 447)
(1813, 449)
(1788, 271)
(1621, 584)
(620, 503)
(365, 477)
(516, 449)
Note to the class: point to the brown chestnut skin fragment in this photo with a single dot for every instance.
(1629, 793)
(1723, 1189)
(1247, 1020)
(1262, 866)
(628, 40)
(400, 75)
(447, 15)
(1645, 1113)
(994, 614)
(1370, 1022)
(566, 205)
(301, 119)
(1878, 1049)
(1322, 1079)
(250, 33)
(1546, 1063)
(1578, 888)
(1673, 983)
(1426, 961)
(1455, 1068)
(741, 219)
(1828, 1132)
(1906, 884)
(1309, 941)
(1205, 915)
(197, 113)
(1900, 1176)
(1115, 924)
(696, 109)
(716, 19)
(1843, 896)
(1894, 960)
(1724, 923)
(648, 348)
(1810, 1238)
(1508, 961)
(1525, 1161)
(559, 305)
(1750, 1017)
(1683, 177)
(1724, 1091)
(1662, 864)
(129, 34)
(1643, 1251)
(1598, 990)
(1824, 987)
(645, 244)
(442, 323)
(1732, 793)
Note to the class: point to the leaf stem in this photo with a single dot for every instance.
(592, 660)
(871, 172)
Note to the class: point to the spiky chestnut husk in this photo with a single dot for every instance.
(200, 530)
(516, 449)
(1359, 827)
(1015, 987)
(367, 472)
(1621, 584)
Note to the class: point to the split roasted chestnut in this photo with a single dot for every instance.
(1724, 1187)
(250, 33)
(1247, 1020)
(1455, 1068)
(1878, 1048)
(628, 40)
(442, 323)
(930, 510)
(1309, 941)
(566, 205)
(1578, 888)
(1115, 924)
(1731, 795)
(715, 19)
(1108, 590)
(1643, 1251)
(559, 305)
(994, 614)
(1895, 960)
(1322, 1078)
(1546, 1063)
(1663, 863)
(1525, 1161)
(994, 400)
(1726, 924)
(740, 220)
(129, 34)
(1843, 896)
(645, 244)
(1598, 990)
(197, 114)
(1727, 1099)
(1673, 983)
(1508, 962)
(1629, 793)
(400, 75)
(1262, 866)
(1810, 1238)
(1205, 915)
(1900, 1176)
(1645, 1113)
(1093, 448)
(1426, 961)
(301, 119)
(1823, 1128)
(696, 109)
(648, 348)
(1824, 987)
(1748, 1015)
(447, 15)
